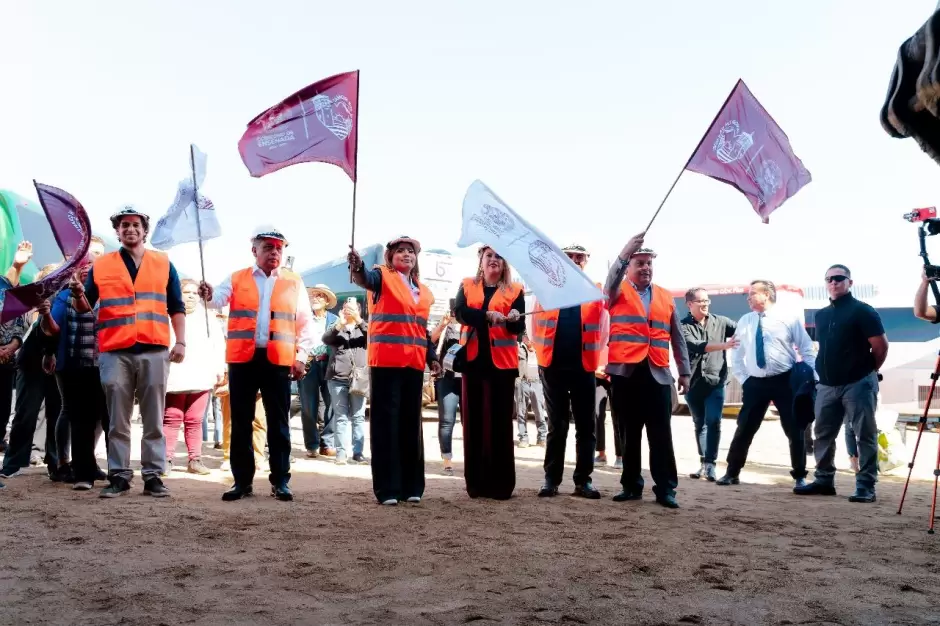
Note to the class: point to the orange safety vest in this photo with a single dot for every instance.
(503, 345)
(283, 329)
(398, 326)
(634, 335)
(132, 312)
(546, 325)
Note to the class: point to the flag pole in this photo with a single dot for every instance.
(202, 263)
(694, 152)
(352, 238)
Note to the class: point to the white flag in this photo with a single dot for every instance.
(557, 282)
(179, 224)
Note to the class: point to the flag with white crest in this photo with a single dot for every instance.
(179, 224)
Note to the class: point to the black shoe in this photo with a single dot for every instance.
(728, 479)
(815, 489)
(698, 474)
(862, 495)
(710, 472)
(548, 490)
(237, 492)
(626, 496)
(588, 491)
(100, 474)
(282, 493)
(667, 501)
(118, 487)
(155, 487)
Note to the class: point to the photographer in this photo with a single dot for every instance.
(921, 309)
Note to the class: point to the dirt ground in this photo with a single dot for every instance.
(752, 554)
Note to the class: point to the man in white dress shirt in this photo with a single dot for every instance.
(762, 363)
(270, 333)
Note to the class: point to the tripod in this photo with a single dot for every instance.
(920, 431)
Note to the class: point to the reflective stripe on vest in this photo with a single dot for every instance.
(244, 309)
(635, 336)
(131, 312)
(504, 349)
(546, 325)
(398, 335)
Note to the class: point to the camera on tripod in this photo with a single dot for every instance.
(929, 225)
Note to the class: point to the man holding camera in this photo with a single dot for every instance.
(852, 348)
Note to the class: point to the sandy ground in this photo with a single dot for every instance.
(753, 554)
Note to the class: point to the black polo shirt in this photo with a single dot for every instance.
(843, 329)
(710, 366)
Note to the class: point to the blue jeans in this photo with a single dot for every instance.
(851, 443)
(706, 404)
(345, 406)
(447, 391)
(314, 398)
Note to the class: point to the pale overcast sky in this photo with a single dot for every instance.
(578, 114)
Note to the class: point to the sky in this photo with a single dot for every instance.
(579, 115)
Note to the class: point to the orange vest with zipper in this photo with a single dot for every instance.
(244, 307)
(546, 325)
(503, 345)
(634, 335)
(398, 326)
(132, 312)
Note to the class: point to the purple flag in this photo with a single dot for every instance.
(745, 148)
(72, 231)
(318, 123)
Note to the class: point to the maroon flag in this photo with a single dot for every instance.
(745, 148)
(72, 231)
(318, 123)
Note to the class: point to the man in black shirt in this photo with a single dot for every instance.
(708, 337)
(852, 348)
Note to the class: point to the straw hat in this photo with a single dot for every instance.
(325, 291)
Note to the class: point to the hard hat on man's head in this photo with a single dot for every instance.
(267, 231)
(576, 249)
(129, 210)
(648, 251)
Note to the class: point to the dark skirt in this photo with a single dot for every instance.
(396, 433)
(488, 417)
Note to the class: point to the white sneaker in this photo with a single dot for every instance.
(414, 500)
(226, 466)
(389, 502)
(6, 475)
(82, 486)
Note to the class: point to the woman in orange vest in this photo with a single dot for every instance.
(490, 308)
(399, 348)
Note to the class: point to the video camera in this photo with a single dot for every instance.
(929, 225)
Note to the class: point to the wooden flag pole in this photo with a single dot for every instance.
(202, 263)
(694, 152)
(352, 238)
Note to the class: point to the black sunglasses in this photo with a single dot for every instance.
(838, 278)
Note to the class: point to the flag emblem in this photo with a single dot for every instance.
(544, 258)
(731, 143)
(335, 114)
(494, 220)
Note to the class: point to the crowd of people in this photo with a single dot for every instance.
(128, 332)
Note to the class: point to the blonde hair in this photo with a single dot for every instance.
(185, 282)
(46, 270)
(505, 276)
(415, 272)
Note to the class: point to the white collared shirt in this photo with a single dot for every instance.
(222, 295)
(782, 332)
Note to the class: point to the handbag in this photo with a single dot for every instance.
(456, 358)
(359, 383)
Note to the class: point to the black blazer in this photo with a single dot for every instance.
(803, 386)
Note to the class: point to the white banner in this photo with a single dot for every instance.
(557, 282)
(179, 224)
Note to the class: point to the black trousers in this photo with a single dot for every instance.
(397, 433)
(33, 388)
(273, 381)
(758, 394)
(601, 429)
(488, 416)
(7, 378)
(641, 401)
(566, 392)
(84, 407)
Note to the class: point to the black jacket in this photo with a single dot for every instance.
(803, 386)
(348, 349)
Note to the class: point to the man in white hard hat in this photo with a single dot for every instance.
(138, 296)
(270, 333)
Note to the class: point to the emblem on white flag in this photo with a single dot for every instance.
(557, 282)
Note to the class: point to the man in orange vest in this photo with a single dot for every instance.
(138, 296)
(567, 345)
(270, 333)
(643, 323)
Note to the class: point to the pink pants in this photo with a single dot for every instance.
(186, 409)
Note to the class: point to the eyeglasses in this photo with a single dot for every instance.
(838, 278)
(702, 302)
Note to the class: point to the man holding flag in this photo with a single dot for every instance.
(567, 344)
(643, 323)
